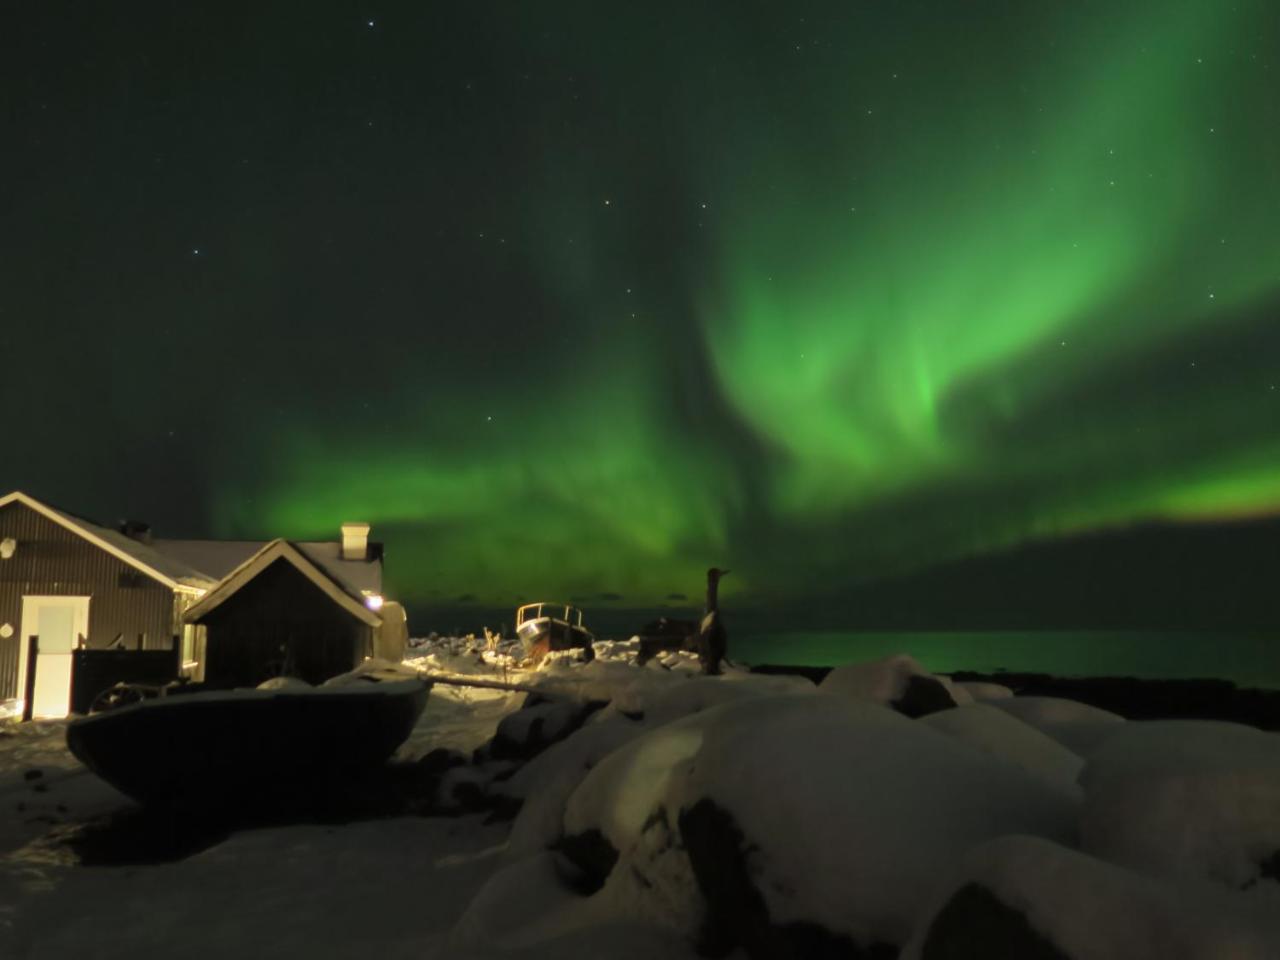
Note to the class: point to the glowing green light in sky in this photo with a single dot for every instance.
(890, 300)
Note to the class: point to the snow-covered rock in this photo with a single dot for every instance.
(543, 786)
(897, 681)
(1079, 727)
(849, 813)
(1188, 798)
(984, 690)
(1027, 898)
(284, 683)
(527, 732)
(627, 801)
(1002, 735)
(527, 911)
(799, 816)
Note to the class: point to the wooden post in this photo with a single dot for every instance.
(33, 651)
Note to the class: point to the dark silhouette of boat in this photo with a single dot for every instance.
(201, 752)
(546, 626)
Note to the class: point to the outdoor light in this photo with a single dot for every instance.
(373, 601)
(7, 546)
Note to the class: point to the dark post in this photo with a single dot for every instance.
(29, 702)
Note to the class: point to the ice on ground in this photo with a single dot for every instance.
(1002, 735)
(1079, 727)
(1189, 798)
(1091, 910)
(885, 681)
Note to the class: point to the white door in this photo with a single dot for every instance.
(59, 622)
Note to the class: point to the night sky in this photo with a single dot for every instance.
(579, 299)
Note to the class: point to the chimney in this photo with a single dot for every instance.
(135, 530)
(355, 541)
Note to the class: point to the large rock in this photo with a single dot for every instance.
(897, 681)
(540, 723)
(1031, 899)
(1187, 798)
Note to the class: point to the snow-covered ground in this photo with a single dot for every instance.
(657, 812)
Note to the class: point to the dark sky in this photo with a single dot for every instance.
(582, 298)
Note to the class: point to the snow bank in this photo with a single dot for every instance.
(1085, 909)
(1187, 798)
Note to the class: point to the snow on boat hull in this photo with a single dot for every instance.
(205, 750)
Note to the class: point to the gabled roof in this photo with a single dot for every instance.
(218, 558)
(171, 572)
(289, 553)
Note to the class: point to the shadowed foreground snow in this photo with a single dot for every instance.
(652, 812)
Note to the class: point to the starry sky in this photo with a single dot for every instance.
(580, 298)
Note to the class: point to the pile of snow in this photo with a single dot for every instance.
(1187, 798)
(1023, 896)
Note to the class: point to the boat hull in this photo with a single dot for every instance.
(542, 636)
(204, 751)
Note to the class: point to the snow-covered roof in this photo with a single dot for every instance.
(194, 566)
(162, 566)
(282, 550)
(217, 558)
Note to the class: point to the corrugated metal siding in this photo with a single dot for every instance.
(52, 561)
(9, 666)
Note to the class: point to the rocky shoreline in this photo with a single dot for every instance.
(1133, 698)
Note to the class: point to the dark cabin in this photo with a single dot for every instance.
(281, 614)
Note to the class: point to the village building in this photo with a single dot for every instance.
(106, 605)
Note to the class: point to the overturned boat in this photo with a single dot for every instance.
(207, 751)
(546, 626)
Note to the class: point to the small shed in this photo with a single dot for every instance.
(282, 614)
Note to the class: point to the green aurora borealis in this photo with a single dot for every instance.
(620, 293)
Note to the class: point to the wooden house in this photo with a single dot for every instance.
(280, 613)
(108, 605)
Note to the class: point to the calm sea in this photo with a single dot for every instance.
(1248, 659)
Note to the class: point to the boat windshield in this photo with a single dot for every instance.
(558, 611)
